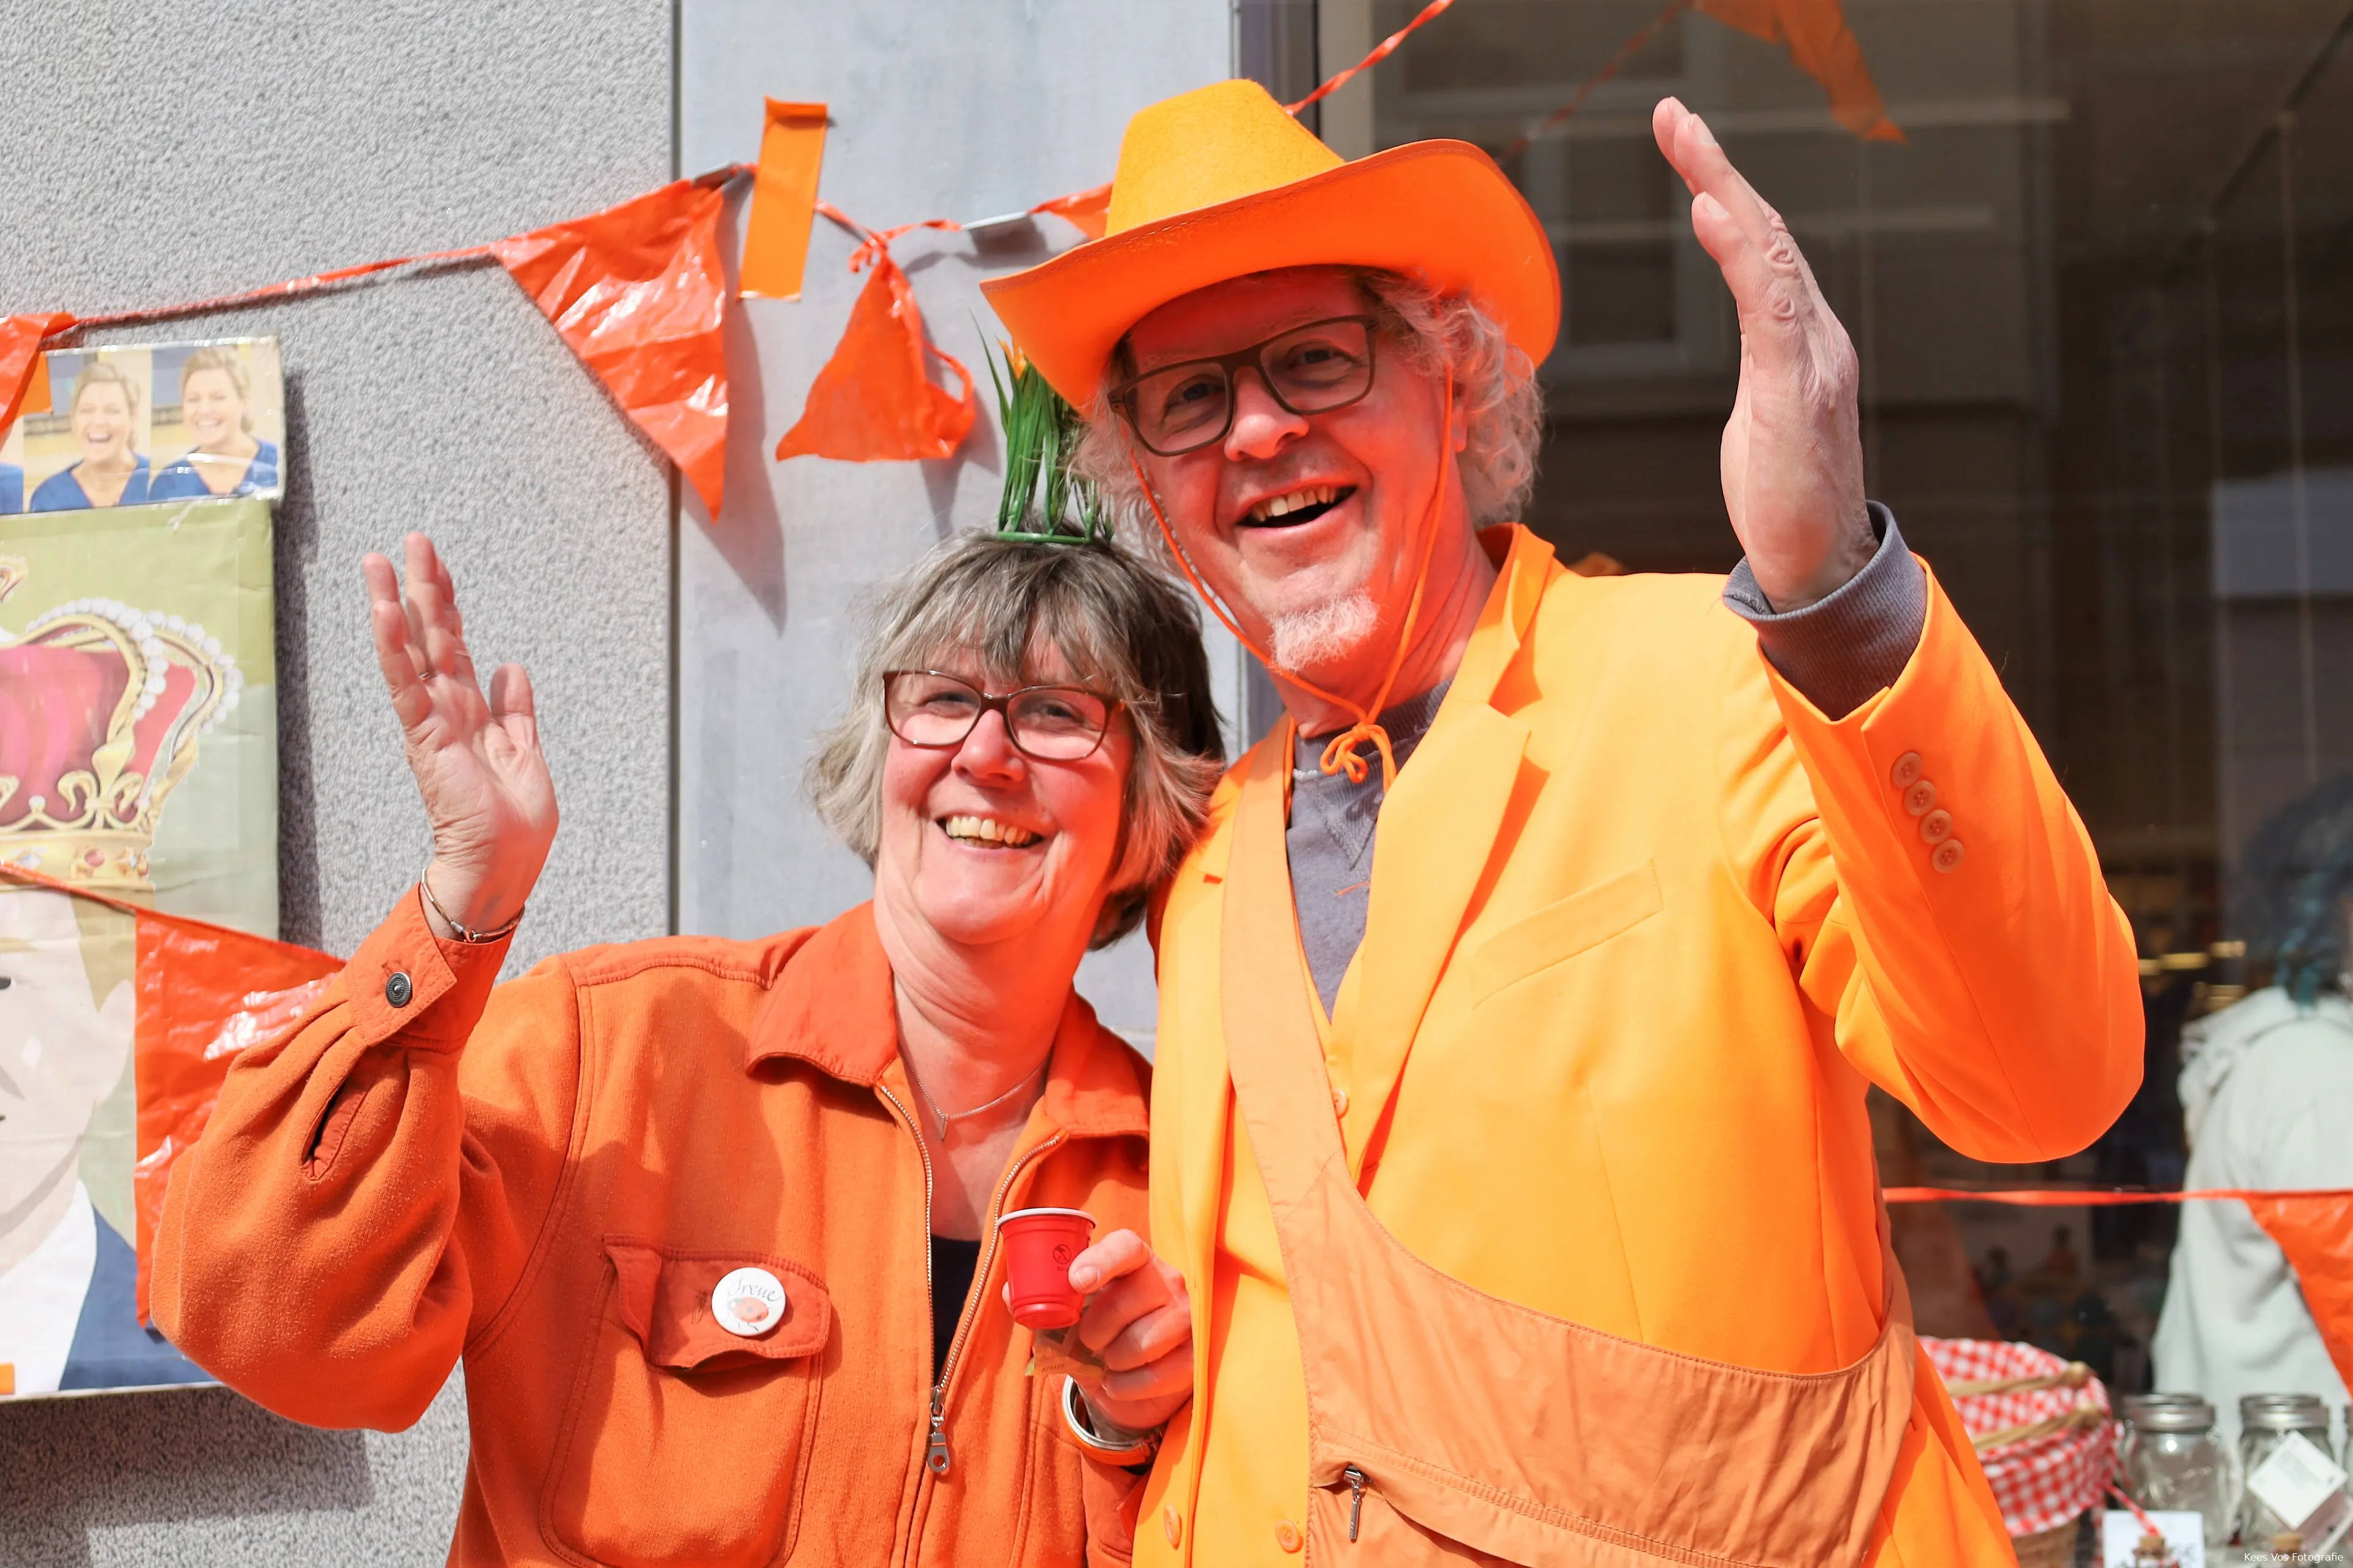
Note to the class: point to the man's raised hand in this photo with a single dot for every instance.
(477, 761)
(1793, 447)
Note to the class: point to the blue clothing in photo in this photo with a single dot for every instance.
(109, 1349)
(12, 488)
(63, 492)
(182, 482)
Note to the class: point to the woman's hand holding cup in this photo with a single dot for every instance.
(1139, 1319)
(477, 760)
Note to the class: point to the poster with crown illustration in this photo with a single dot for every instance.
(138, 729)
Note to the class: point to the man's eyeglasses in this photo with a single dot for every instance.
(1052, 723)
(1312, 369)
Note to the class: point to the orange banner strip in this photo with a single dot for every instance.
(783, 202)
(1381, 51)
(2313, 1228)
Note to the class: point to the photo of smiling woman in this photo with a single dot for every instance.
(104, 421)
(216, 409)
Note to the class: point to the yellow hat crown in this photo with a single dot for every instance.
(1229, 139)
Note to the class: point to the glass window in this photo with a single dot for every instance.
(2101, 292)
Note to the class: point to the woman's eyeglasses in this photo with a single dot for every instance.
(1052, 723)
(1312, 369)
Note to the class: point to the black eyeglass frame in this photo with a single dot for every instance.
(1000, 702)
(1123, 396)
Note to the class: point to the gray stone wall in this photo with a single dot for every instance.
(153, 153)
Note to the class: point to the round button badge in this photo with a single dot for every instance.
(749, 1301)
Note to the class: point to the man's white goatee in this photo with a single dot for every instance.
(1305, 638)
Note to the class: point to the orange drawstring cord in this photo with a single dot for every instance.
(1340, 753)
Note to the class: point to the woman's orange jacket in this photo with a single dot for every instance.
(550, 1179)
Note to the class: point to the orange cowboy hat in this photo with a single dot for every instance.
(1220, 181)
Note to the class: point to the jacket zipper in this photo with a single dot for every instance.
(1356, 1479)
(937, 1456)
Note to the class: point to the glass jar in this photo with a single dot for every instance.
(2264, 1422)
(2130, 1409)
(2176, 1463)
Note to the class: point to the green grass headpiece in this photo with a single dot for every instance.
(1041, 430)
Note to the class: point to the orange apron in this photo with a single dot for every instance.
(1446, 1425)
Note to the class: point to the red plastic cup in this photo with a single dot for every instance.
(1039, 1245)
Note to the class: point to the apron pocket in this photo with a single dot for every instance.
(686, 1443)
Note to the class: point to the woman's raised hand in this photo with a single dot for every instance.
(477, 762)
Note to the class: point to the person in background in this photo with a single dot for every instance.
(2267, 1103)
(217, 406)
(710, 1222)
(67, 1278)
(104, 416)
(12, 489)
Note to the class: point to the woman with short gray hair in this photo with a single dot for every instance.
(713, 1223)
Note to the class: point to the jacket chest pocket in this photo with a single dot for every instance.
(686, 1442)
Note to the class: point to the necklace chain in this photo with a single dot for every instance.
(943, 1117)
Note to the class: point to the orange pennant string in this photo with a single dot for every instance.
(2314, 1229)
(1611, 68)
(1088, 210)
(23, 371)
(875, 401)
(1380, 52)
(637, 292)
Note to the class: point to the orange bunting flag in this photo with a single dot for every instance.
(637, 292)
(1820, 43)
(875, 400)
(783, 202)
(197, 995)
(1085, 209)
(2316, 1232)
(24, 373)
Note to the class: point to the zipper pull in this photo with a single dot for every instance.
(935, 1455)
(1356, 1479)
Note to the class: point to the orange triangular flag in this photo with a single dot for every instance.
(2316, 1231)
(204, 992)
(21, 364)
(875, 400)
(1086, 209)
(636, 290)
(1820, 43)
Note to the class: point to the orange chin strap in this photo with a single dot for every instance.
(1340, 753)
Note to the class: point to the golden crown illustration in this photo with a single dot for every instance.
(100, 707)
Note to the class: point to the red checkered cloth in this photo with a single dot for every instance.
(2045, 1482)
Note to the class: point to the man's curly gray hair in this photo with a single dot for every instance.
(1494, 386)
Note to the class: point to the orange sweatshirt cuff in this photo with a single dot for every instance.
(408, 983)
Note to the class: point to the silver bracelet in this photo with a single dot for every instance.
(465, 934)
(1098, 1436)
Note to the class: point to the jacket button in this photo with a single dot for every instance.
(1948, 855)
(1286, 1536)
(1906, 769)
(1920, 797)
(1340, 1102)
(398, 990)
(1936, 826)
(1171, 1526)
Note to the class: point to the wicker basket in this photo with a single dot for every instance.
(2050, 1548)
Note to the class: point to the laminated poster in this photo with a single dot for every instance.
(137, 766)
(123, 425)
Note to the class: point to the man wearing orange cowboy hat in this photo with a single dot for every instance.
(1515, 1151)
